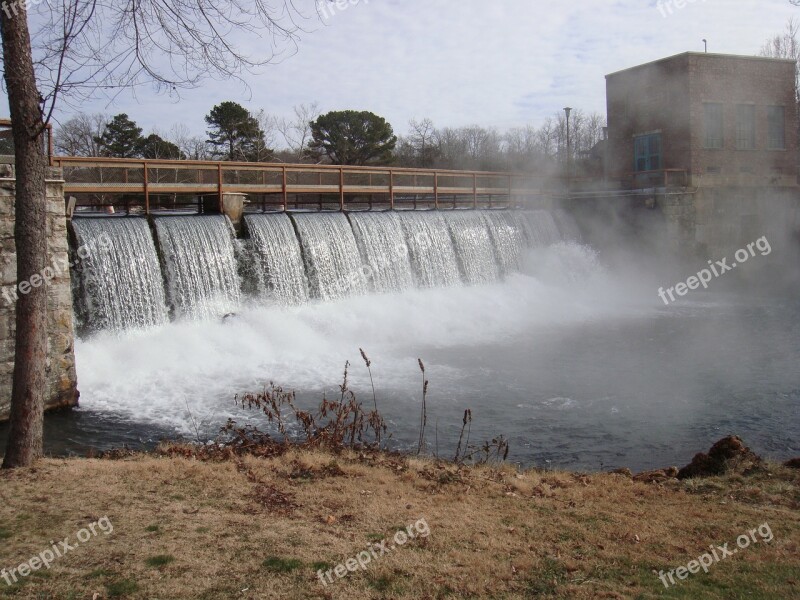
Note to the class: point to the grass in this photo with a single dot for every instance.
(122, 588)
(160, 560)
(251, 524)
(276, 564)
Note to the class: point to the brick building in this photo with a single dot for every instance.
(708, 120)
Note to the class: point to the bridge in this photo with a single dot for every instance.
(144, 186)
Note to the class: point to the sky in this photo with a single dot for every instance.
(498, 64)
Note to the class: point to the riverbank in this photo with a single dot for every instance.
(277, 527)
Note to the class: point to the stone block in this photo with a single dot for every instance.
(61, 375)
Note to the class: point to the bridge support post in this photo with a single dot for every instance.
(341, 189)
(391, 189)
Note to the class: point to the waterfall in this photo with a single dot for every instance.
(278, 261)
(200, 265)
(567, 226)
(383, 250)
(430, 247)
(541, 228)
(118, 283)
(508, 233)
(473, 245)
(333, 264)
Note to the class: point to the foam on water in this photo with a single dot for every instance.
(191, 370)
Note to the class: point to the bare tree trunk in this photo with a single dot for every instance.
(30, 235)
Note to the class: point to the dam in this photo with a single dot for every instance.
(537, 312)
(142, 272)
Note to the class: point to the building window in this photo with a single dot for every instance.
(713, 123)
(647, 152)
(745, 127)
(776, 127)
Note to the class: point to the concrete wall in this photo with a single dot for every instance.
(60, 364)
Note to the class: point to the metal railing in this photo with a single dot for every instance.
(7, 144)
(660, 178)
(281, 186)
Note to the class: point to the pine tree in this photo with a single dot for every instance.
(122, 138)
(155, 147)
(235, 133)
(352, 137)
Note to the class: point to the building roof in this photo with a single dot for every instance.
(703, 55)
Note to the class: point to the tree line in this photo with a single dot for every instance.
(340, 137)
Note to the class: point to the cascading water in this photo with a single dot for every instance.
(293, 258)
(384, 251)
(333, 264)
(473, 245)
(430, 247)
(118, 278)
(541, 228)
(566, 225)
(507, 230)
(200, 265)
(279, 262)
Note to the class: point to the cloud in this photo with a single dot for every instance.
(498, 64)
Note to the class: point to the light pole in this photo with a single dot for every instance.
(568, 110)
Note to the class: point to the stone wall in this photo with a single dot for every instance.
(696, 225)
(60, 365)
(715, 221)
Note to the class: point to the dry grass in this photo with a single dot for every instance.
(262, 527)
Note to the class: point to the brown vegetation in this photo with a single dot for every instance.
(261, 527)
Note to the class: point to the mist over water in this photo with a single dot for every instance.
(578, 368)
(570, 355)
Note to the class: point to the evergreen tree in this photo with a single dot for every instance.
(235, 133)
(122, 138)
(352, 137)
(155, 147)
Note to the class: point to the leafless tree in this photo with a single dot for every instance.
(296, 131)
(86, 47)
(194, 147)
(421, 142)
(78, 136)
(524, 149)
(786, 45)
